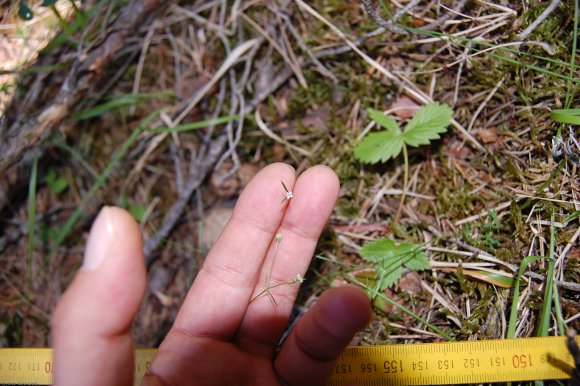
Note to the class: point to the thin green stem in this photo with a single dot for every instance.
(269, 273)
(405, 182)
(569, 91)
(353, 280)
(547, 306)
(63, 23)
(267, 289)
(405, 170)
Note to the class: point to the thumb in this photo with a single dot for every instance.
(91, 324)
(309, 354)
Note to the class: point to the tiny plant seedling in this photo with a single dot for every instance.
(297, 279)
(289, 195)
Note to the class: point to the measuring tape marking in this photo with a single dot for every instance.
(524, 359)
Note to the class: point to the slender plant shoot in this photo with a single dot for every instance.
(289, 193)
(297, 279)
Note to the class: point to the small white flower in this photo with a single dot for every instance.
(289, 193)
(298, 279)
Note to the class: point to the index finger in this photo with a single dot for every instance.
(221, 292)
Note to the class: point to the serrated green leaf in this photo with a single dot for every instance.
(389, 276)
(379, 147)
(418, 260)
(386, 122)
(391, 258)
(426, 125)
(378, 250)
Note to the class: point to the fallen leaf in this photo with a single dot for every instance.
(411, 283)
(404, 107)
(487, 135)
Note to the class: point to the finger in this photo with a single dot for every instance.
(310, 352)
(220, 294)
(315, 194)
(91, 324)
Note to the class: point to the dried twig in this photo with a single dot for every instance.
(199, 172)
(549, 9)
(388, 24)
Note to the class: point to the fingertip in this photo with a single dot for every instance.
(324, 174)
(348, 304)
(338, 315)
(103, 235)
(91, 323)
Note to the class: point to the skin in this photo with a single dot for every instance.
(219, 337)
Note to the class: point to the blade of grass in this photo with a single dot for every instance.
(570, 89)
(61, 143)
(118, 102)
(511, 332)
(103, 177)
(31, 217)
(197, 125)
(544, 325)
(433, 328)
(471, 45)
(566, 116)
(74, 25)
(558, 311)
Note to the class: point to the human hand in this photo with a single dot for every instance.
(220, 336)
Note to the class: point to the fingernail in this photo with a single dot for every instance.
(99, 241)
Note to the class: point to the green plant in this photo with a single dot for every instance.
(56, 183)
(550, 293)
(296, 279)
(391, 258)
(492, 224)
(269, 286)
(426, 125)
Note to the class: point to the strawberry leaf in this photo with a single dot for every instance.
(391, 258)
(386, 122)
(383, 145)
(426, 125)
(379, 147)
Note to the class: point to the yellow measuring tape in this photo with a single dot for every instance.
(413, 364)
